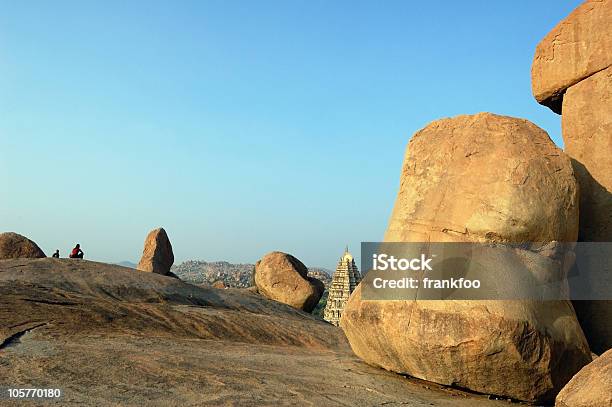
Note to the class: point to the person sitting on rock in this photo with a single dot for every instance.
(77, 253)
(56, 254)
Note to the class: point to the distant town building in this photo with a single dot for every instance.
(343, 283)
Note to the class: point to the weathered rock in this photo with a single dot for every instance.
(281, 277)
(587, 132)
(481, 178)
(89, 326)
(591, 386)
(484, 177)
(15, 246)
(157, 256)
(576, 48)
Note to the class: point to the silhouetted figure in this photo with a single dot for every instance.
(56, 254)
(77, 253)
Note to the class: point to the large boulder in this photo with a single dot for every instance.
(587, 132)
(15, 246)
(484, 177)
(157, 256)
(281, 277)
(576, 48)
(590, 387)
(480, 178)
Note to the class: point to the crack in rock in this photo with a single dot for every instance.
(14, 339)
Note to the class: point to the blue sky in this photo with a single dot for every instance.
(242, 127)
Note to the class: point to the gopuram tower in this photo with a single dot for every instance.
(343, 283)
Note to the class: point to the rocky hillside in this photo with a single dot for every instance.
(108, 335)
(232, 275)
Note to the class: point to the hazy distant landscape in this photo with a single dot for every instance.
(232, 275)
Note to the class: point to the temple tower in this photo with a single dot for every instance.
(343, 283)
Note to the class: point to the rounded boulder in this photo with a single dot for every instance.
(16, 246)
(283, 278)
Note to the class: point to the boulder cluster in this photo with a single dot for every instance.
(480, 178)
(497, 179)
(277, 276)
(572, 73)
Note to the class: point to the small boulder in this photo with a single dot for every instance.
(281, 277)
(591, 386)
(218, 284)
(16, 246)
(157, 256)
